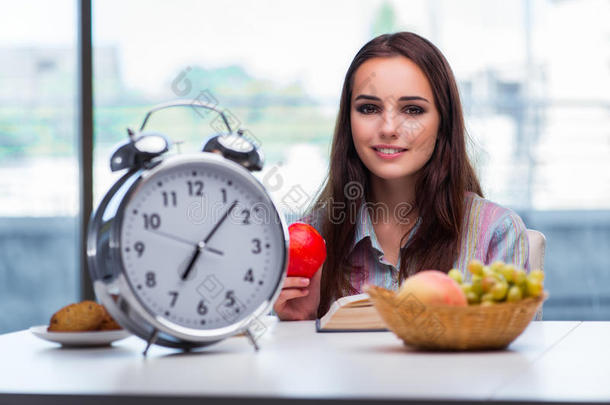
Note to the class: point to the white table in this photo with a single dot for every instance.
(550, 361)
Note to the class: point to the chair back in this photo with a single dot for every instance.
(537, 244)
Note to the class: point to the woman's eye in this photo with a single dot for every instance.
(413, 110)
(367, 108)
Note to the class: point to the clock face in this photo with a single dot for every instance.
(202, 245)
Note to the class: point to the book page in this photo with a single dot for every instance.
(354, 312)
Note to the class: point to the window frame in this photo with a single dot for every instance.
(85, 138)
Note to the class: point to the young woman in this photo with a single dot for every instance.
(401, 195)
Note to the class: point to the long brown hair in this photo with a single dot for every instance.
(441, 184)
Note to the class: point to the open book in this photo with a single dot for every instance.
(354, 313)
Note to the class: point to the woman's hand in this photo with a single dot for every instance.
(299, 298)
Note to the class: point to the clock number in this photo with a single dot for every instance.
(257, 246)
(230, 296)
(150, 279)
(153, 221)
(201, 308)
(139, 247)
(249, 277)
(224, 195)
(195, 188)
(174, 295)
(247, 217)
(166, 198)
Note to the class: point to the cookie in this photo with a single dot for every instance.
(108, 322)
(83, 316)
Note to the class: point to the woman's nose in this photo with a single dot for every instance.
(389, 125)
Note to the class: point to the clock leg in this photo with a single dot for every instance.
(250, 337)
(151, 340)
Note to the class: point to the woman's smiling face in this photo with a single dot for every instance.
(394, 119)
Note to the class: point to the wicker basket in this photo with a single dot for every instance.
(450, 327)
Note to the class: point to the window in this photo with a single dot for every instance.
(38, 164)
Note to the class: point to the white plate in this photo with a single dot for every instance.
(94, 338)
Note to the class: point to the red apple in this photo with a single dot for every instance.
(433, 287)
(307, 250)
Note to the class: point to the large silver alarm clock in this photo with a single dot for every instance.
(186, 250)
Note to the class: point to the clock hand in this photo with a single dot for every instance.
(225, 215)
(174, 237)
(218, 252)
(185, 241)
(189, 267)
(202, 244)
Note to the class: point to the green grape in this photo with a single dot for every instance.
(537, 275)
(514, 294)
(497, 266)
(477, 287)
(498, 291)
(519, 276)
(498, 277)
(534, 287)
(487, 297)
(508, 271)
(523, 287)
(456, 275)
(475, 267)
(487, 271)
(466, 287)
(487, 283)
(472, 298)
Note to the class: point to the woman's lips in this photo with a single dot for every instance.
(389, 155)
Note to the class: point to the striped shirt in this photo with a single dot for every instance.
(489, 232)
